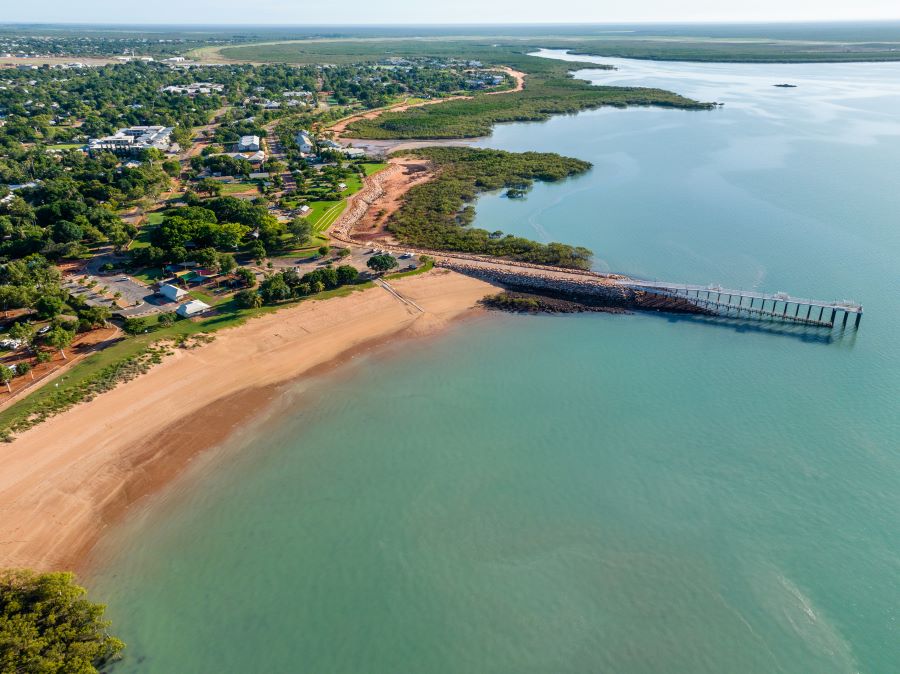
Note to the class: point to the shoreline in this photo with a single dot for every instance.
(70, 478)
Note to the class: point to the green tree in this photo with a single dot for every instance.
(23, 367)
(134, 326)
(24, 332)
(227, 263)
(274, 289)
(172, 167)
(47, 625)
(95, 317)
(211, 187)
(6, 376)
(248, 299)
(13, 297)
(207, 257)
(165, 320)
(49, 306)
(64, 231)
(60, 338)
(301, 230)
(382, 262)
(258, 251)
(229, 235)
(247, 277)
(346, 274)
(324, 250)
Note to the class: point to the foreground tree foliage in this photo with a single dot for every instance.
(437, 214)
(47, 625)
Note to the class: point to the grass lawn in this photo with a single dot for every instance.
(324, 213)
(155, 218)
(149, 275)
(210, 298)
(238, 188)
(421, 269)
(66, 146)
(354, 184)
(371, 168)
(142, 240)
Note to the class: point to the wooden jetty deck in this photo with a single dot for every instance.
(746, 303)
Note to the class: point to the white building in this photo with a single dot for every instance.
(133, 140)
(172, 293)
(248, 144)
(192, 308)
(304, 142)
(194, 88)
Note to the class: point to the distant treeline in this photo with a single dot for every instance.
(437, 214)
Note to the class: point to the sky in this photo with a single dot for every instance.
(341, 12)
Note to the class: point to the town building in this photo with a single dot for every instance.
(133, 140)
(171, 293)
(254, 158)
(304, 142)
(194, 88)
(192, 308)
(248, 144)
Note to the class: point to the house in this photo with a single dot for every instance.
(304, 209)
(304, 142)
(342, 187)
(248, 144)
(255, 158)
(192, 308)
(171, 293)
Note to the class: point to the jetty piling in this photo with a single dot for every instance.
(702, 298)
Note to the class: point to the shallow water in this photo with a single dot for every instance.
(586, 493)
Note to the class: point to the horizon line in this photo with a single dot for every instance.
(670, 22)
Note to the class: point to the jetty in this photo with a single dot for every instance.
(745, 303)
(626, 292)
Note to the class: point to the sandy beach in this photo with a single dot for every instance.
(67, 479)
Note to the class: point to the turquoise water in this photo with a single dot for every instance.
(586, 493)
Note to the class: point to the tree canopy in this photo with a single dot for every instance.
(47, 625)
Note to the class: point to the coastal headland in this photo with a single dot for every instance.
(70, 477)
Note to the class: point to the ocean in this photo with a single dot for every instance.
(585, 493)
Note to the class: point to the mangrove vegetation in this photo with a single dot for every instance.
(438, 214)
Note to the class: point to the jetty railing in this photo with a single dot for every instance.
(740, 303)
